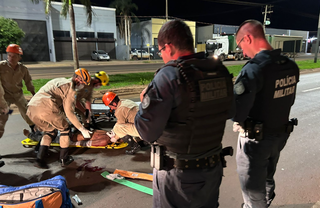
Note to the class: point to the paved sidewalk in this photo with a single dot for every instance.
(87, 63)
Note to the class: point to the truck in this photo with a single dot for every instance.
(225, 47)
(137, 54)
(289, 45)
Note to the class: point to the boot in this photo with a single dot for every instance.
(1, 163)
(32, 127)
(40, 162)
(134, 149)
(65, 159)
(271, 199)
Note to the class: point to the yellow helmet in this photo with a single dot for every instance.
(103, 77)
(84, 74)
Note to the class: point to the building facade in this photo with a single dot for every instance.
(48, 37)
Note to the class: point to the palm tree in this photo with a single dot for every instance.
(67, 7)
(124, 8)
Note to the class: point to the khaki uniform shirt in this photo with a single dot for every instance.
(57, 96)
(85, 93)
(11, 82)
(125, 114)
(126, 111)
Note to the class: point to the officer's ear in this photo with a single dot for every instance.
(171, 49)
(248, 38)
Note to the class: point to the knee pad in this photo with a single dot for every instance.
(52, 134)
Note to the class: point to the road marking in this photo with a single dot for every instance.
(311, 89)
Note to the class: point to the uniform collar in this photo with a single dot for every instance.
(267, 53)
(200, 55)
(8, 63)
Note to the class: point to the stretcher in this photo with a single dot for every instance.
(100, 114)
(28, 143)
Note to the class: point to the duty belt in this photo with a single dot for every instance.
(197, 163)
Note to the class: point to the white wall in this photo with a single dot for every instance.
(104, 19)
(22, 9)
(26, 10)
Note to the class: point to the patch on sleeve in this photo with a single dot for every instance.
(239, 88)
(145, 101)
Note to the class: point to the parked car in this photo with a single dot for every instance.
(136, 54)
(100, 55)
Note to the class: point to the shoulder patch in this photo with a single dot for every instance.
(145, 101)
(239, 88)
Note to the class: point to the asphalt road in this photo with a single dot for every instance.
(62, 69)
(297, 176)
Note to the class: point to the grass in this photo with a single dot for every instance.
(125, 80)
(116, 81)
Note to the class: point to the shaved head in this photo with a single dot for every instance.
(252, 27)
(251, 39)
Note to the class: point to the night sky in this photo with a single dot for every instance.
(287, 14)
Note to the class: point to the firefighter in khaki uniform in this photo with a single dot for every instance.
(125, 112)
(49, 110)
(100, 78)
(12, 72)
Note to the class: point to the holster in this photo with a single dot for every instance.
(253, 129)
(159, 160)
(290, 126)
(225, 152)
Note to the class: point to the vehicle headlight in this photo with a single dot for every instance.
(100, 56)
(215, 57)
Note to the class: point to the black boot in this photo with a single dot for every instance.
(134, 149)
(65, 158)
(271, 199)
(32, 128)
(40, 162)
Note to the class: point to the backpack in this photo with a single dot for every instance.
(51, 193)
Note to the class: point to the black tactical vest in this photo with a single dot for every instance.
(273, 102)
(197, 124)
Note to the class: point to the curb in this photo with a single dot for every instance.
(70, 64)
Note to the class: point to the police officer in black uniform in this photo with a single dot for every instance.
(264, 93)
(183, 113)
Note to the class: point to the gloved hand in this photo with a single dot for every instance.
(5, 111)
(112, 136)
(237, 127)
(85, 132)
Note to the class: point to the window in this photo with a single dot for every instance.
(85, 34)
(61, 34)
(105, 35)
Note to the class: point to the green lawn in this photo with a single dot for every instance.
(122, 80)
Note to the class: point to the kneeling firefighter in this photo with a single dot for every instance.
(49, 109)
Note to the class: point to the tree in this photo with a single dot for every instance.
(10, 32)
(124, 9)
(67, 7)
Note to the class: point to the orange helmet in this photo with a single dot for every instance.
(108, 97)
(14, 48)
(84, 74)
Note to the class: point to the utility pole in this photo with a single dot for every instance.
(317, 44)
(266, 11)
(166, 10)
